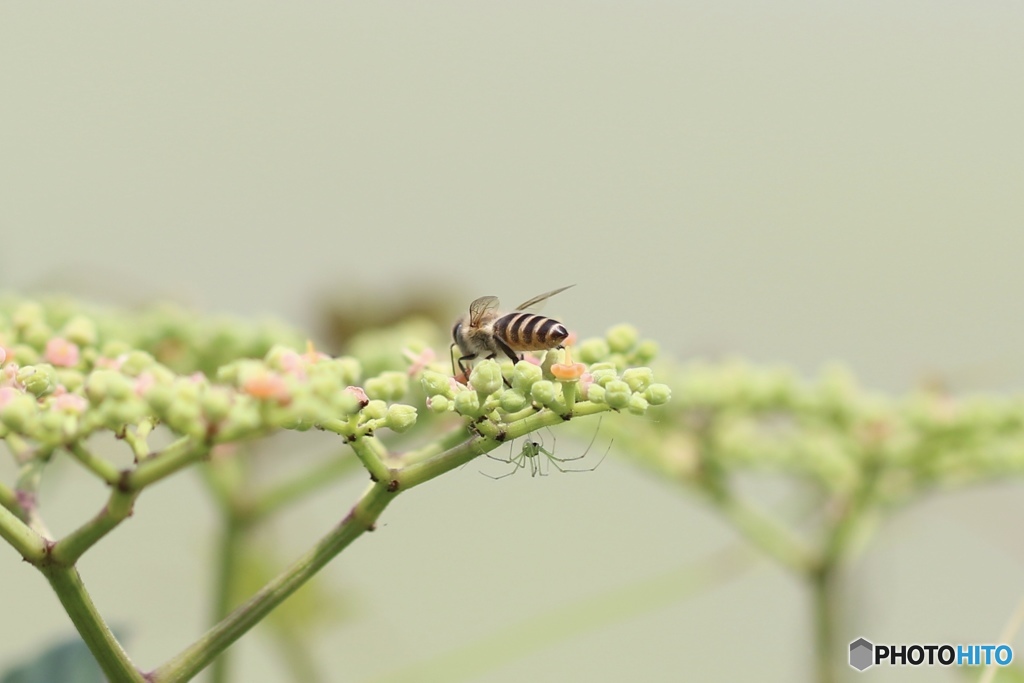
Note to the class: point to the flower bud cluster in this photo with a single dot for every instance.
(65, 375)
(832, 431)
(497, 390)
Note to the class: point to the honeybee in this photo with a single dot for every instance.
(486, 332)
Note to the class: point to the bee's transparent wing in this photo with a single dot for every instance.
(537, 299)
(480, 307)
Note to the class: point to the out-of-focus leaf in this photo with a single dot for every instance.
(69, 661)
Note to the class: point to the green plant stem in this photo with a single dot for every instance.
(825, 577)
(177, 456)
(195, 657)
(230, 549)
(360, 519)
(425, 470)
(824, 604)
(118, 508)
(70, 590)
(10, 501)
(102, 468)
(137, 441)
(16, 532)
(372, 461)
(30, 475)
(450, 439)
(767, 534)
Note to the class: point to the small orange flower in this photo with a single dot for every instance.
(568, 371)
(267, 386)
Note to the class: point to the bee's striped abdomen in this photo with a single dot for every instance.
(529, 332)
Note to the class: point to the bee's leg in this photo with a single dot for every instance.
(507, 350)
(465, 372)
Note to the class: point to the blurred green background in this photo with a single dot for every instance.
(794, 181)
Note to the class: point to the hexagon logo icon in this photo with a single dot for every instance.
(861, 651)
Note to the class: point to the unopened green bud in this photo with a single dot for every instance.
(637, 404)
(71, 379)
(595, 393)
(622, 338)
(116, 414)
(243, 419)
(23, 354)
(102, 384)
(486, 377)
(80, 330)
(467, 403)
(543, 392)
(436, 384)
(594, 350)
(186, 390)
(28, 313)
(388, 386)
(115, 348)
(646, 351)
(216, 403)
(438, 404)
(303, 413)
(159, 397)
(658, 394)
(19, 413)
(512, 401)
(604, 375)
(375, 410)
(280, 357)
(638, 379)
(617, 394)
(37, 334)
(183, 417)
(323, 385)
(137, 362)
(344, 403)
(400, 417)
(524, 376)
(51, 426)
(233, 373)
(38, 379)
(349, 368)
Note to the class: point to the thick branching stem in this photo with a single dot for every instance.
(823, 597)
(113, 660)
(371, 459)
(175, 457)
(767, 534)
(9, 500)
(102, 468)
(361, 518)
(194, 658)
(16, 532)
(229, 555)
(118, 508)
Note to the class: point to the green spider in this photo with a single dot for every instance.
(529, 455)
